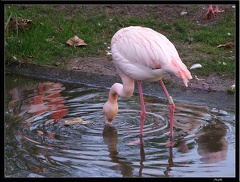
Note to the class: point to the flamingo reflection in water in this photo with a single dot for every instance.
(111, 140)
(210, 152)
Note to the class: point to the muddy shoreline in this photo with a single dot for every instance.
(191, 94)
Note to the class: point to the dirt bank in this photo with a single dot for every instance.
(104, 65)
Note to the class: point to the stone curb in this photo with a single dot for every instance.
(220, 100)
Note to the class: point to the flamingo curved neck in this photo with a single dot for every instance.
(110, 108)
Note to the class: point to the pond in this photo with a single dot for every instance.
(43, 139)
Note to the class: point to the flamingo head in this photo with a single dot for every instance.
(110, 111)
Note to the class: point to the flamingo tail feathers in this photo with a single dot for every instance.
(179, 69)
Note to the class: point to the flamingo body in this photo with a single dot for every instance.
(142, 54)
(146, 55)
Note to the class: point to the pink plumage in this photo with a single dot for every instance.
(142, 54)
(211, 13)
(139, 52)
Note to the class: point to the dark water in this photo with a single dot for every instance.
(39, 142)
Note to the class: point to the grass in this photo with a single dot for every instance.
(231, 90)
(53, 25)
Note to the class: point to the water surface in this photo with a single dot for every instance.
(39, 143)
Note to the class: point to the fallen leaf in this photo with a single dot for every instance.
(30, 58)
(19, 24)
(76, 41)
(25, 23)
(76, 120)
(75, 68)
(194, 66)
(227, 45)
(57, 63)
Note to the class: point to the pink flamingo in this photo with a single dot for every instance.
(211, 13)
(142, 54)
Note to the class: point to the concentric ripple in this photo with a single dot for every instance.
(39, 143)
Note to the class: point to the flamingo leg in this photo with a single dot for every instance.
(217, 10)
(143, 114)
(171, 107)
(210, 13)
(143, 110)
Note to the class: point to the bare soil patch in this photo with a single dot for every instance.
(104, 66)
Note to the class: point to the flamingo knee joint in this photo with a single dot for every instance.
(170, 100)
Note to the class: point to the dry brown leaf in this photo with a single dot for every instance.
(30, 58)
(19, 24)
(57, 63)
(25, 22)
(76, 41)
(76, 120)
(75, 68)
(227, 45)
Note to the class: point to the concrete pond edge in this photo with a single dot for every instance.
(190, 95)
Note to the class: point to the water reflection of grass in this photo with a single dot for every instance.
(52, 25)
